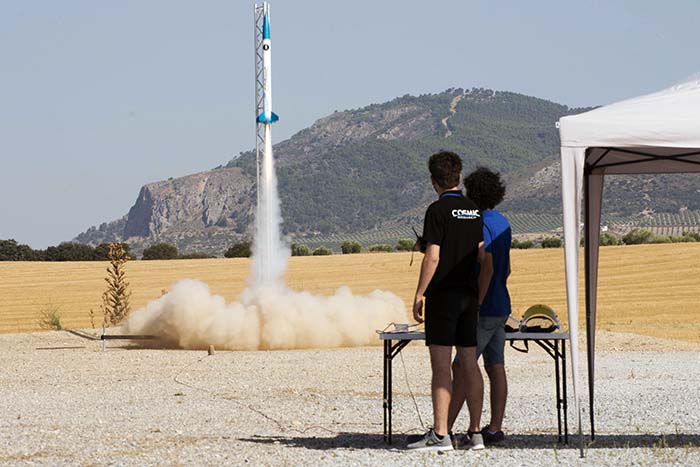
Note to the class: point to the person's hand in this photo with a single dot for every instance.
(418, 309)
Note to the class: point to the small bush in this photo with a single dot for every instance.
(521, 244)
(405, 244)
(551, 242)
(160, 251)
(607, 239)
(683, 239)
(694, 235)
(660, 239)
(195, 255)
(239, 250)
(300, 250)
(349, 247)
(50, 318)
(637, 237)
(381, 249)
(322, 251)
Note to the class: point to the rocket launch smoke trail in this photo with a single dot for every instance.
(269, 252)
(268, 315)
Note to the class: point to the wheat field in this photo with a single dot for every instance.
(647, 289)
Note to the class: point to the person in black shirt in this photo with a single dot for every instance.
(449, 282)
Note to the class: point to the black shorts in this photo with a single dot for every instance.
(451, 318)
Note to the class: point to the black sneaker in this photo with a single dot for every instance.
(492, 438)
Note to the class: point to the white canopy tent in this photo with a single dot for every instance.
(655, 133)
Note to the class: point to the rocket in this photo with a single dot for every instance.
(267, 115)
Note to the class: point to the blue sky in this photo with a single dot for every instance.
(99, 98)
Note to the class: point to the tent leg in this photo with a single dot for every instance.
(587, 264)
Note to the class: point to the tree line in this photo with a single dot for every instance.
(10, 250)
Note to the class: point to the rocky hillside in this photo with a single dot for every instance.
(365, 169)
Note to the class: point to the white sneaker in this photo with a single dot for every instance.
(430, 442)
(476, 442)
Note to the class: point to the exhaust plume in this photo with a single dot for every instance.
(268, 315)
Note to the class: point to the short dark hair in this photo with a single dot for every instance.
(445, 168)
(485, 188)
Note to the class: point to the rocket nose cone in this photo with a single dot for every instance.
(266, 27)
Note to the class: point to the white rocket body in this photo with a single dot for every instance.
(267, 115)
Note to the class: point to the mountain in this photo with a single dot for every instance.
(364, 170)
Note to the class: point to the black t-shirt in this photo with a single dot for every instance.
(454, 222)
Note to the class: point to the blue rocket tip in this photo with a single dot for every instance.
(266, 27)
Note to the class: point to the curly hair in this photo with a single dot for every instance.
(445, 167)
(485, 188)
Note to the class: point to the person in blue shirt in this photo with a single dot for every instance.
(487, 190)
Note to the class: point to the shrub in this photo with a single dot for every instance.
(521, 244)
(380, 248)
(637, 237)
(551, 242)
(300, 250)
(160, 251)
(195, 255)
(405, 244)
(349, 247)
(50, 317)
(322, 251)
(239, 250)
(115, 299)
(694, 235)
(683, 239)
(607, 239)
(660, 239)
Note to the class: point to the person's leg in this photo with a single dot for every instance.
(499, 393)
(459, 376)
(459, 392)
(441, 387)
(494, 363)
(474, 386)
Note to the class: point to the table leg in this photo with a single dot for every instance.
(387, 350)
(557, 380)
(390, 387)
(566, 402)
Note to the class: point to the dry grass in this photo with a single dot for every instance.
(647, 289)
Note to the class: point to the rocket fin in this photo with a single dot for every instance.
(261, 118)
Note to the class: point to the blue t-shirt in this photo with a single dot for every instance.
(497, 239)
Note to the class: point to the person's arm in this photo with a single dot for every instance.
(427, 271)
(485, 272)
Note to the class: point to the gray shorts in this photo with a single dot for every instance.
(491, 339)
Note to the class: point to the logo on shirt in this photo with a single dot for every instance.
(466, 213)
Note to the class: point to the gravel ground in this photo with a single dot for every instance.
(133, 406)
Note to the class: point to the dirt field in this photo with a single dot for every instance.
(648, 289)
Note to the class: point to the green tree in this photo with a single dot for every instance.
(380, 248)
(160, 251)
(521, 244)
(607, 239)
(300, 250)
(637, 237)
(239, 250)
(551, 242)
(349, 247)
(69, 251)
(405, 244)
(322, 251)
(10, 250)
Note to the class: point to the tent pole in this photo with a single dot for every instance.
(587, 269)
